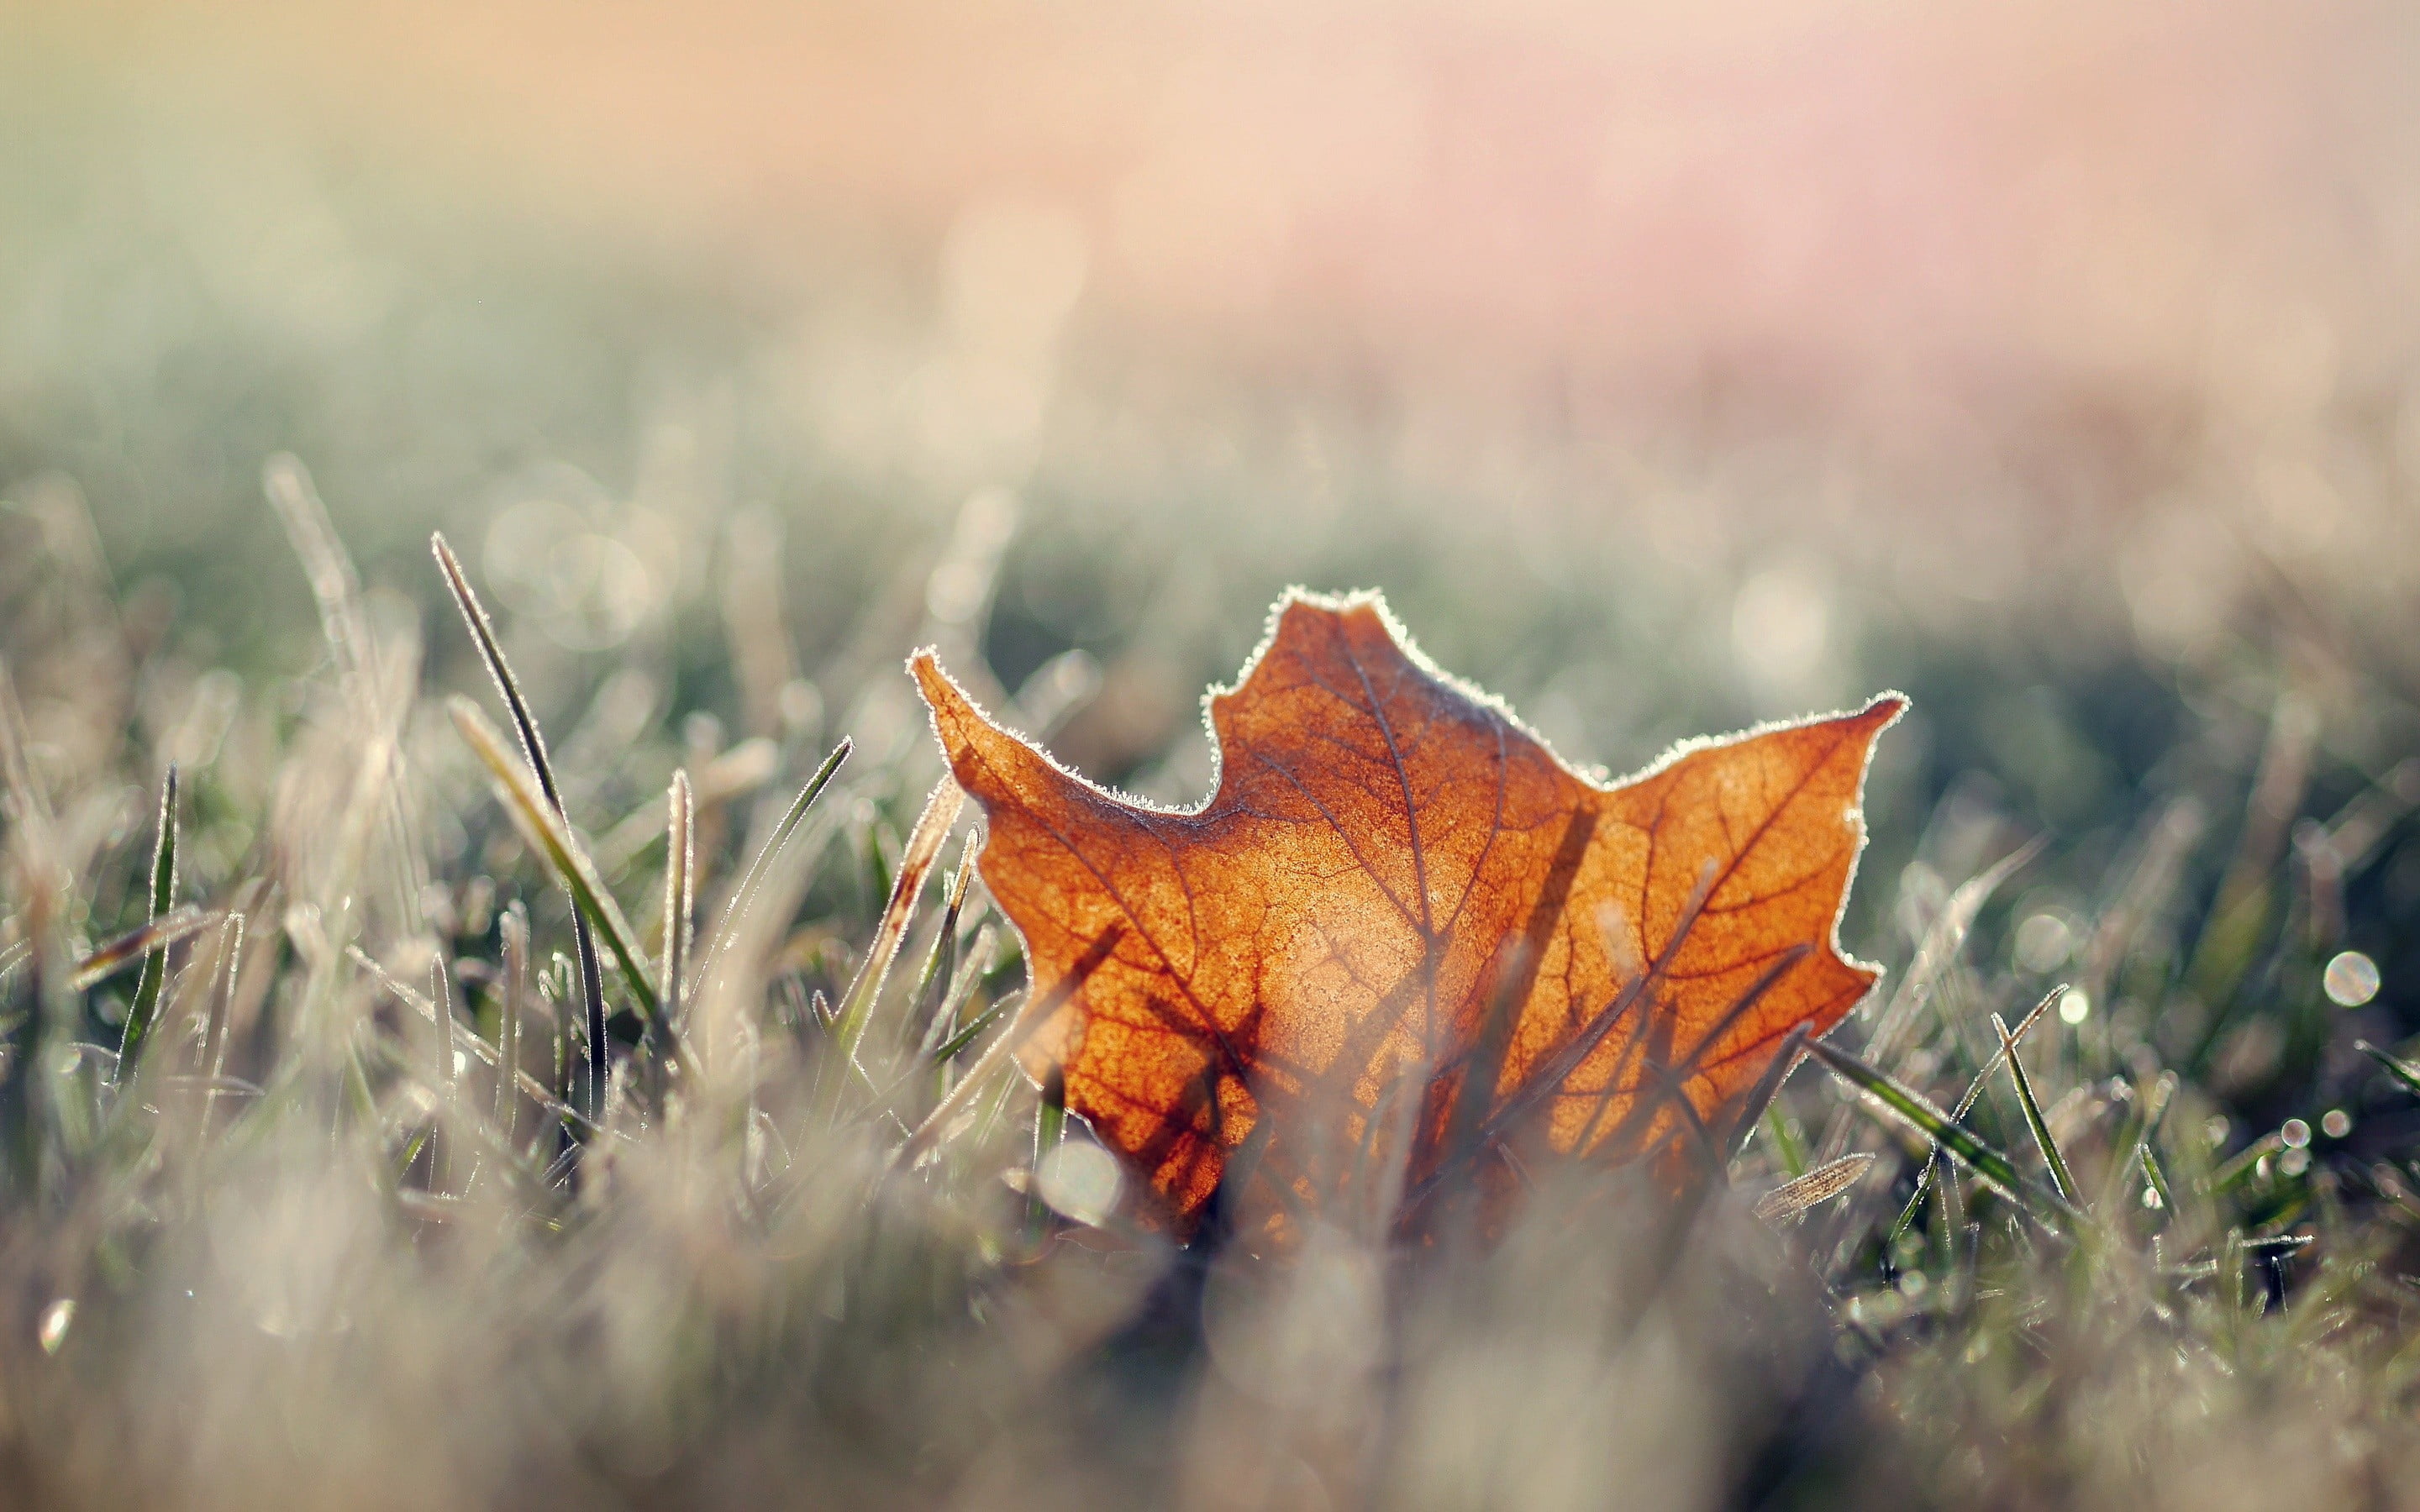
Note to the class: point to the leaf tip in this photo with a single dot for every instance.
(941, 692)
(1883, 709)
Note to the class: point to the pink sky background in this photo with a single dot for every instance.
(1853, 203)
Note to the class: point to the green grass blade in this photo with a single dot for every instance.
(745, 895)
(1033, 1008)
(2247, 1160)
(1942, 1129)
(544, 828)
(483, 633)
(2401, 1070)
(2158, 1177)
(467, 1039)
(2155, 1102)
(1785, 1144)
(1049, 1132)
(944, 1026)
(584, 932)
(2059, 1175)
(512, 929)
(956, 1044)
(916, 860)
(941, 964)
(1966, 1105)
(1760, 1096)
(146, 1004)
(1914, 1205)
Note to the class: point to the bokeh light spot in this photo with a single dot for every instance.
(1781, 625)
(1080, 1181)
(2351, 979)
(53, 1330)
(2045, 941)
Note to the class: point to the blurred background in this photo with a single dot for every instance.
(1670, 366)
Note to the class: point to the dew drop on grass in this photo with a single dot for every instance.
(2295, 1133)
(2293, 1162)
(2351, 979)
(52, 1330)
(2073, 1007)
(2336, 1124)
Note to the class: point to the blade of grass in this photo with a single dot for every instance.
(419, 1003)
(441, 998)
(344, 623)
(943, 1026)
(1785, 1145)
(513, 929)
(1791, 1199)
(916, 860)
(1759, 1098)
(2245, 1161)
(146, 1003)
(142, 941)
(1951, 1194)
(544, 828)
(2158, 1177)
(33, 815)
(2154, 1108)
(934, 982)
(1941, 945)
(591, 974)
(1032, 1010)
(1914, 1205)
(745, 897)
(956, 1044)
(680, 893)
(1966, 1105)
(2401, 1070)
(1928, 1121)
(222, 1004)
(2059, 1175)
(1634, 990)
(1049, 1132)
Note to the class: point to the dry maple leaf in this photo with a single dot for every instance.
(1398, 894)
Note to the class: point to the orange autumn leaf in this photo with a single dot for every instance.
(1401, 936)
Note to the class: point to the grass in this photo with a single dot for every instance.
(388, 1119)
(391, 1194)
